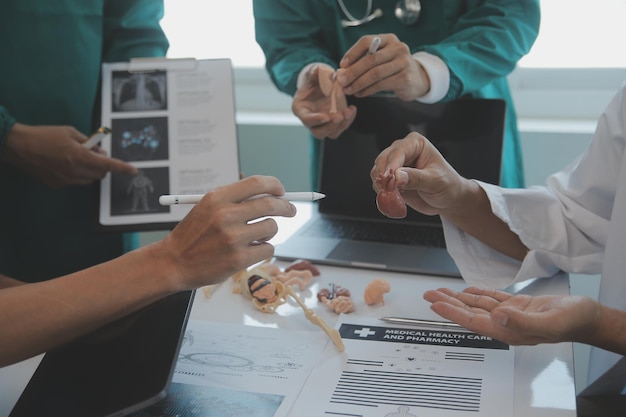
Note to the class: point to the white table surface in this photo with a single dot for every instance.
(544, 376)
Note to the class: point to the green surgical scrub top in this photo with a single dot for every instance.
(52, 51)
(480, 41)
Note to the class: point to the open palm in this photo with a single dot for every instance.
(516, 319)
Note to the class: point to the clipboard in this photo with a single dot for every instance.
(173, 119)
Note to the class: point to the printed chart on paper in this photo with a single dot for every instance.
(390, 371)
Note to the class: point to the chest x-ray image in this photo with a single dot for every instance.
(138, 91)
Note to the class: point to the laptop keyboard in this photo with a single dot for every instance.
(378, 232)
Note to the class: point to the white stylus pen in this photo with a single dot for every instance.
(169, 200)
(97, 137)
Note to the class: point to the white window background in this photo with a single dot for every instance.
(575, 66)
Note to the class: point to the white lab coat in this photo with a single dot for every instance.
(577, 223)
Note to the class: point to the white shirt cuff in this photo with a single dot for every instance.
(439, 76)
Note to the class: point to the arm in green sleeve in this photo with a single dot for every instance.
(487, 42)
(291, 36)
(131, 30)
(6, 124)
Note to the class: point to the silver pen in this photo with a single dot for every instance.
(97, 137)
(418, 322)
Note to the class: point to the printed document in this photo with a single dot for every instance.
(391, 371)
(238, 370)
(175, 121)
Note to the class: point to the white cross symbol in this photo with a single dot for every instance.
(364, 332)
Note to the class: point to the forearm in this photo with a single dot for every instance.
(608, 331)
(6, 124)
(472, 213)
(16, 145)
(293, 34)
(511, 26)
(37, 317)
(6, 282)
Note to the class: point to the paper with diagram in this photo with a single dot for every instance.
(174, 120)
(389, 371)
(237, 370)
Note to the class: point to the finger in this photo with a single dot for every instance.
(406, 151)
(327, 130)
(483, 302)
(76, 135)
(444, 295)
(322, 131)
(268, 206)
(97, 149)
(501, 296)
(359, 49)
(335, 133)
(479, 322)
(119, 166)
(258, 252)
(245, 188)
(95, 166)
(262, 230)
(347, 119)
(378, 78)
(440, 294)
(473, 297)
(313, 120)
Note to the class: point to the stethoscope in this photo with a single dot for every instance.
(407, 12)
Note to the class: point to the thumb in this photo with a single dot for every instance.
(500, 317)
(511, 318)
(409, 178)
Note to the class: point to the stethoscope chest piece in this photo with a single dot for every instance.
(408, 11)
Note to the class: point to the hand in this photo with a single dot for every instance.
(220, 236)
(325, 112)
(426, 181)
(54, 155)
(390, 68)
(518, 319)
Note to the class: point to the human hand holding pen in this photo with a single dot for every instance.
(365, 70)
(219, 225)
(313, 100)
(55, 157)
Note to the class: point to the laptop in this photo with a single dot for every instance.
(348, 230)
(118, 369)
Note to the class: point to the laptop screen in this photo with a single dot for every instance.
(468, 132)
